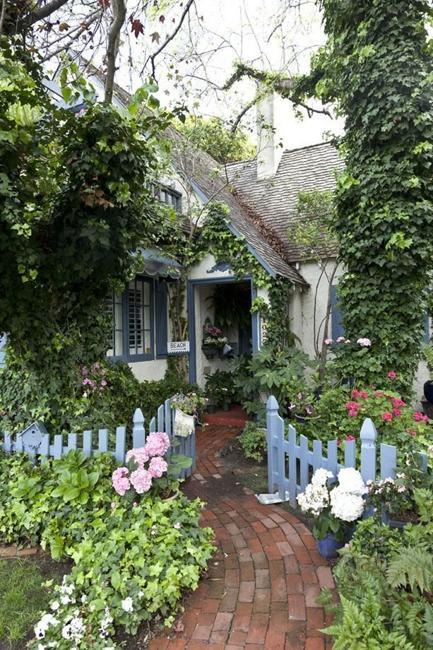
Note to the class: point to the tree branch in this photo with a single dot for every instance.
(2, 15)
(119, 14)
(169, 38)
(39, 14)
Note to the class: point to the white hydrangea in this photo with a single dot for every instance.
(345, 505)
(314, 499)
(350, 480)
(321, 476)
(127, 604)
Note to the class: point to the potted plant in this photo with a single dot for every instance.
(213, 340)
(394, 500)
(334, 509)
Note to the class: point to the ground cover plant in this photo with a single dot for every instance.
(134, 550)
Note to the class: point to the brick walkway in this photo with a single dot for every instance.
(261, 586)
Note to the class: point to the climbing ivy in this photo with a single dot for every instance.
(377, 68)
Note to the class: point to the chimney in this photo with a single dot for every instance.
(268, 152)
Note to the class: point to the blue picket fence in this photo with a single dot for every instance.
(292, 458)
(35, 441)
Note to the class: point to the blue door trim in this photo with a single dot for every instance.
(192, 284)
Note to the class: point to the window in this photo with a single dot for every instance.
(115, 309)
(132, 316)
(169, 196)
(139, 312)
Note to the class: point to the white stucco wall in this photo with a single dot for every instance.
(149, 370)
(302, 313)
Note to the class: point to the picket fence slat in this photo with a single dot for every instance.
(163, 421)
(290, 465)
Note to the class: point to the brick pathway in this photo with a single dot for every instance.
(262, 584)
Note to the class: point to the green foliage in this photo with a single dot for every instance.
(23, 399)
(385, 581)
(148, 551)
(340, 412)
(220, 388)
(377, 67)
(23, 597)
(279, 372)
(253, 441)
(212, 136)
(75, 202)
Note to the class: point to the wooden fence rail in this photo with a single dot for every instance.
(292, 458)
(35, 441)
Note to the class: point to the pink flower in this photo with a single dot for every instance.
(397, 402)
(87, 381)
(349, 438)
(355, 393)
(420, 417)
(364, 342)
(120, 480)
(103, 383)
(157, 444)
(392, 374)
(363, 394)
(157, 467)
(328, 341)
(352, 413)
(341, 339)
(139, 455)
(352, 406)
(141, 480)
(396, 412)
(387, 417)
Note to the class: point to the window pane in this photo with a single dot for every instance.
(114, 307)
(139, 326)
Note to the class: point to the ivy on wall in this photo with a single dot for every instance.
(377, 68)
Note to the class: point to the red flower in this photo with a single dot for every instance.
(392, 375)
(387, 417)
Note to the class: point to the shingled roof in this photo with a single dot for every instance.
(275, 199)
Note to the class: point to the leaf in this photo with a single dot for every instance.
(155, 37)
(137, 26)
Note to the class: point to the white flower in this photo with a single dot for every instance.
(67, 632)
(127, 604)
(314, 499)
(177, 525)
(320, 477)
(350, 480)
(84, 598)
(346, 506)
(364, 342)
(65, 600)
(55, 605)
(41, 646)
(44, 624)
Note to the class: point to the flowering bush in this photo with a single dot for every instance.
(189, 403)
(333, 508)
(341, 412)
(131, 560)
(144, 464)
(213, 336)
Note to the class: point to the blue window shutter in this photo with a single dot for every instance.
(161, 318)
(337, 321)
(426, 335)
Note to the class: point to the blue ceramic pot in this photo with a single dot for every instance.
(328, 546)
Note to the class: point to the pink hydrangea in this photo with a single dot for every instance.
(157, 444)
(120, 480)
(139, 455)
(387, 417)
(141, 480)
(392, 375)
(157, 467)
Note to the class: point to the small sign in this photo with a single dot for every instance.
(177, 347)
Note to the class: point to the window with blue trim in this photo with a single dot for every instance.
(169, 196)
(132, 322)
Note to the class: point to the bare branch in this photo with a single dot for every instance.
(119, 14)
(169, 38)
(39, 14)
(2, 15)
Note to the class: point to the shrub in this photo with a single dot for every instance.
(132, 559)
(220, 388)
(253, 441)
(340, 412)
(105, 395)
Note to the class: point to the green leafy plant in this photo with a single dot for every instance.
(220, 388)
(131, 559)
(253, 441)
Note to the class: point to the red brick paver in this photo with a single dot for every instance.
(261, 587)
